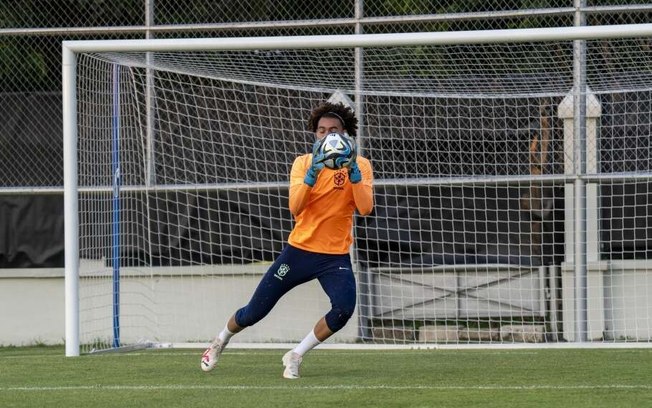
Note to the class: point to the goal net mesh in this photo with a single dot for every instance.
(183, 173)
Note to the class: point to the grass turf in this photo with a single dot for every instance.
(42, 376)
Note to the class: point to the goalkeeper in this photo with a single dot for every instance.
(322, 202)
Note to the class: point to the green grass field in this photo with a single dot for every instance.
(43, 377)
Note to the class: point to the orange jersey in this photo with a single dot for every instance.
(324, 213)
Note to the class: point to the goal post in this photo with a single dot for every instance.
(176, 162)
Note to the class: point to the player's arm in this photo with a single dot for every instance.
(299, 190)
(363, 192)
(303, 177)
(361, 178)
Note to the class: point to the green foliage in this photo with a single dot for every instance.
(71, 13)
(22, 68)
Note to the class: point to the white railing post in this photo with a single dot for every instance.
(594, 282)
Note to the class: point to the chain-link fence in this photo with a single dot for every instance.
(31, 32)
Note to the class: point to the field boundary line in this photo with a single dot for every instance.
(327, 387)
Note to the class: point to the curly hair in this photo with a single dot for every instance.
(334, 110)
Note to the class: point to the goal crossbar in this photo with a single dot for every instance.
(363, 40)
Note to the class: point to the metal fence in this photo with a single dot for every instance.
(31, 33)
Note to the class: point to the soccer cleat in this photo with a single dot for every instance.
(291, 362)
(211, 355)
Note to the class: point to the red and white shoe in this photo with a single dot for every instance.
(211, 355)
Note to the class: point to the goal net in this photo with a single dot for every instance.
(177, 198)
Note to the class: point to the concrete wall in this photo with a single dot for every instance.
(165, 307)
(31, 307)
(193, 308)
(619, 306)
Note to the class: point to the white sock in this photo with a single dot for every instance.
(308, 343)
(225, 335)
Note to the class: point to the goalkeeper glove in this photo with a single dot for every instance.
(316, 165)
(354, 171)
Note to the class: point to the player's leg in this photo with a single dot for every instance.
(212, 354)
(292, 268)
(339, 285)
(341, 290)
(283, 275)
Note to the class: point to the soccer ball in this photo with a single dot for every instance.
(337, 151)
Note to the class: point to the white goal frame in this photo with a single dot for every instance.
(70, 49)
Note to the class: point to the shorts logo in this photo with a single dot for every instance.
(340, 178)
(282, 271)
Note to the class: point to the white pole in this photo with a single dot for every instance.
(579, 133)
(149, 104)
(71, 221)
(364, 276)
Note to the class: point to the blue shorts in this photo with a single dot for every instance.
(295, 266)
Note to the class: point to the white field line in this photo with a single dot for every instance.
(329, 387)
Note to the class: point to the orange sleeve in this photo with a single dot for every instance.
(363, 193)
(299, 191)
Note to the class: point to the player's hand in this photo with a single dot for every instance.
(316, 165)
(355, 176)
(354, 147)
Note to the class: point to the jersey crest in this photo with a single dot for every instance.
(339, 178)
